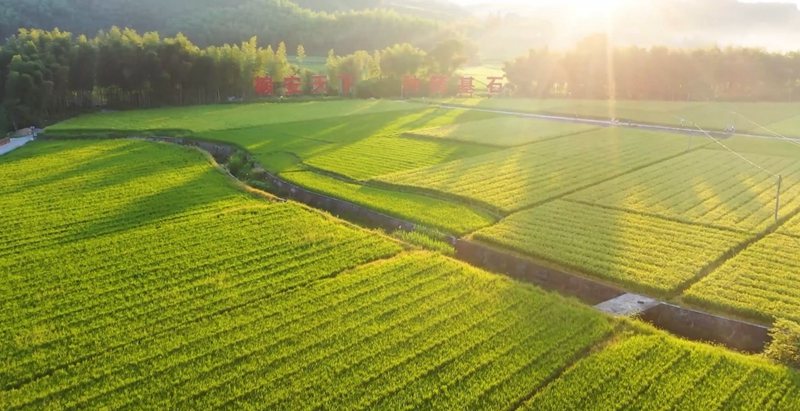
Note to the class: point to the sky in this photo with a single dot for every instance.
(797, 2)
(766, 24)
(533, 2)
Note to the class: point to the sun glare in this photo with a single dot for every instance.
(589, 8)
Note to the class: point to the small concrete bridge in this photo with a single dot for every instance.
(8, 145)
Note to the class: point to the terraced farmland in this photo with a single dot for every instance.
(762, 282)
(655, 372)
(712, 187)
(647, 253)
(515, 178)
(137, 275)
(88, 189)
(243, 301)
(82, 295)
(503, 131)
(375, 156)
(776, 146)
(415, 207)
(358, 139)
(791, 227)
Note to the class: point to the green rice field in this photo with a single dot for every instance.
(673, 215)
(139, 275)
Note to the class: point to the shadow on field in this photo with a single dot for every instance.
(310, 138)
(96, 161)
(192, 194)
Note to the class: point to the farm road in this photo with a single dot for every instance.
(15, 144)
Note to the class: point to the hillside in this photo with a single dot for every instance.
(357, 24)
(440, 9)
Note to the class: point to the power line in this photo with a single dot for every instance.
(790, 140)
(734, 152)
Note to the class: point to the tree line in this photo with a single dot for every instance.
(379, 74)
(595, 70)
(46, 75)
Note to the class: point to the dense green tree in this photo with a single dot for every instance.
(593, 69)
(48, 74)
(401, 59)
(361, 65)
(447, 56)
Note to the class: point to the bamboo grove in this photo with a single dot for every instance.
(47, 75)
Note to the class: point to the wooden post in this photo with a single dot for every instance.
(778, 199)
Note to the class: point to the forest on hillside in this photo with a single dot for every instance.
(343, 25)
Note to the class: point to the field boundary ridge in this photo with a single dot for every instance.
(685, 322)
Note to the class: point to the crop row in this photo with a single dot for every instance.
(512, 179)
(763, 281)
(153, 262)
(664, 373)
(503, 131)
(379, 155)
(644, 252)
(791, 227)
(125, 184)
(141, 296)
(706, 186)
(416, 329)
(226, 334)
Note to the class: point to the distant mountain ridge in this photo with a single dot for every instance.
(320, 25)
(442, 9)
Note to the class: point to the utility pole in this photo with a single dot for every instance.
(778, 199)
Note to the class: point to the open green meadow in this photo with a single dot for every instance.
(668, 214)
(137, 274)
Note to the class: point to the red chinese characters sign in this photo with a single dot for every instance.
(495, 85)
(319, 84)
(292, 86)
(437, 85)
(466, 86)
(263, 86)
(346, 84)
(410, 86)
